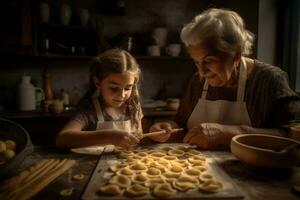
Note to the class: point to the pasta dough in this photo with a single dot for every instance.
(111, 189)
(161, 172)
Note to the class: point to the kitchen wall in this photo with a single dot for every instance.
(169, 75)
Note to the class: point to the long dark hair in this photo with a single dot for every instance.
(118, 61)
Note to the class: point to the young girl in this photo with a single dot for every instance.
(112, 114)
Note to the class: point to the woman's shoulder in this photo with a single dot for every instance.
(264, 69)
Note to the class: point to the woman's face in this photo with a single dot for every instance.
(215, 70)
(116, 89)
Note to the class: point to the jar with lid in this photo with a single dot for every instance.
(26, 94)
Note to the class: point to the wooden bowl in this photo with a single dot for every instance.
(266, 151)
(10, 130)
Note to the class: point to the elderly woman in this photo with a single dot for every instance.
(230, 94)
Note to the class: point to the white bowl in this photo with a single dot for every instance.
(266, 151)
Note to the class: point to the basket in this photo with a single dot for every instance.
(12, 131)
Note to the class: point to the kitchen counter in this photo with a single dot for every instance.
(253, 183)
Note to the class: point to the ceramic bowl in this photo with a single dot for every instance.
(266, 151)
(10, 130)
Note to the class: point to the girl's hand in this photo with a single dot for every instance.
(207, 135)
(160, 127)
(123, 139)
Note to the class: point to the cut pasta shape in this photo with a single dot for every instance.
(157, 154)
(116, 167)
(171, 175)
(78, 176)
(211, 186)
(192, 172)
(153, 172)
(142, 154)
(163, 190)
(111, 189)
(151, 183)
(125, 171)
(140, 178)
(175, 152)
(183, 186)
(204, 177)
(163, 162)
(136, 190)
(66, 192)
(201, 168)
(176, 168)
(138, 167)
(122, 181)
(188, 179)
(170, 157)
(193, 152)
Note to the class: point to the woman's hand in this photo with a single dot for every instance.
(208, 135)
(122, 139)
(159, 127)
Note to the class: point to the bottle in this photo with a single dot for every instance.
(47, 85)
(26, 95)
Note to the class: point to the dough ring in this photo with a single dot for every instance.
(204, 177)
(66, 192)
(78, 176)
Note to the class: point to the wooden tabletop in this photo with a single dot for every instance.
(254, 183)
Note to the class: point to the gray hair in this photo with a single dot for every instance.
(222, 29)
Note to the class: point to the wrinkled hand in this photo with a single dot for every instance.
(123, 139)
(206, 135)
(159, 127)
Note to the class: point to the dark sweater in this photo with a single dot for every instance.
(269, 99)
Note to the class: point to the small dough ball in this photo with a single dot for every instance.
(10, 144)
(9, 154)
(66, 192)
(2, 146)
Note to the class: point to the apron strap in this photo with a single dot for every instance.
(241, 84)
(98, 109)
(204, 90)
(242, 80)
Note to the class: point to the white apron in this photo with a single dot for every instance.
(102, 124)
(222, 111)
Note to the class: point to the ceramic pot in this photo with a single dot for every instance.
(84, 17)
(26, 95)
(65, 14)
(44, 12)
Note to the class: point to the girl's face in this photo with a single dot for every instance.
(116, 88)
(215, 70)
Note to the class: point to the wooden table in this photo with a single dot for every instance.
(254, 184)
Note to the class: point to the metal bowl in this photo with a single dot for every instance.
(266, 151)
(10, 130)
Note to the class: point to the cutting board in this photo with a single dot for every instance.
(101, 175)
